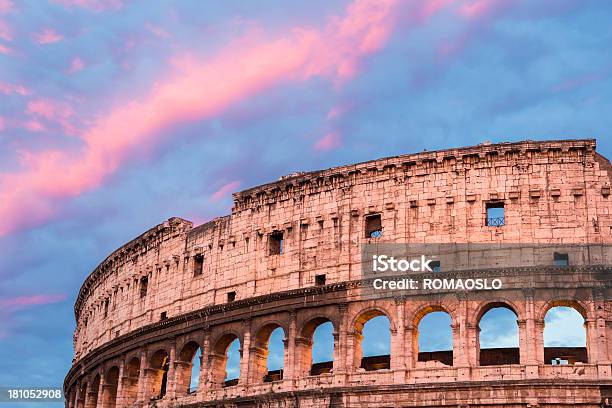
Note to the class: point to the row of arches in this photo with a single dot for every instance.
(315, 351)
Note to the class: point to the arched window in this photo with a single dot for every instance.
(434, 338)
(315, 347)
(499, 336)
(225, 361)
(232, 366)
(196, 366)
(188, 371)
(158, 374)
(373, 341)
(268, 354)
(322, 349)
(564, 336)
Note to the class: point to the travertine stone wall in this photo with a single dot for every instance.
(553, 192)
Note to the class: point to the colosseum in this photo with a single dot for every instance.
(289, 256)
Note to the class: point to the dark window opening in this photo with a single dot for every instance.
(560, 259)
(435, 266)
(144, 283)
(106, 308)
(276, 243)
(85, 322)
(198, 264)
(319, 280)
(373, 226)
(495, 214)
(374, 363)
(163, 316)
(231, 296)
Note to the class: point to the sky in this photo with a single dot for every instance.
(116, 115)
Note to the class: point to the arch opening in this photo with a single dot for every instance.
(268, 354)
(225, 361)
(565, 335)
(373, 341)
(498, 340)
(433, 340)
(315, 347)
(158, 375)
(188, 368)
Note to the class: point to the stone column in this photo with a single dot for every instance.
(354, 350)
(458, 353)
(291, 368)
(245, 354)
(90, 397)
(77, 394)
(142, 376)
(119, 398)
(522, 329)
(180, 380)
(341, 342)
(101, 389)
(170, 378)
(603, 359)
(204, 383)
(398, 361)
(532, 352)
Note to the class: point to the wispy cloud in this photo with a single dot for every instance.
(47, 36)
(202, 89)
(225, 190)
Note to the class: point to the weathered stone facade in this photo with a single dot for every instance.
(177, 287)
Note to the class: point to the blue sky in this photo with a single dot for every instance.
(84, 167)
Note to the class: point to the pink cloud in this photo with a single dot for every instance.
(199, 89)
(6, 33)
(34, 126)
(475, 8)
(330, 141)
(22, 302)
(48, 109)
(4, 50)
(47, 36)
(225, 189)
(338, 110)
(6, 6)
(76, 65)
(9, 89)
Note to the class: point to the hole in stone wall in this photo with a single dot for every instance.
(144, 283)
(319, 280)
(560, 259)
(198, 264)
(275, 242)
(495, 216)
(231, 296)
(373, 226)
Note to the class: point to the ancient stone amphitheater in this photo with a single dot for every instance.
(288, 256)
